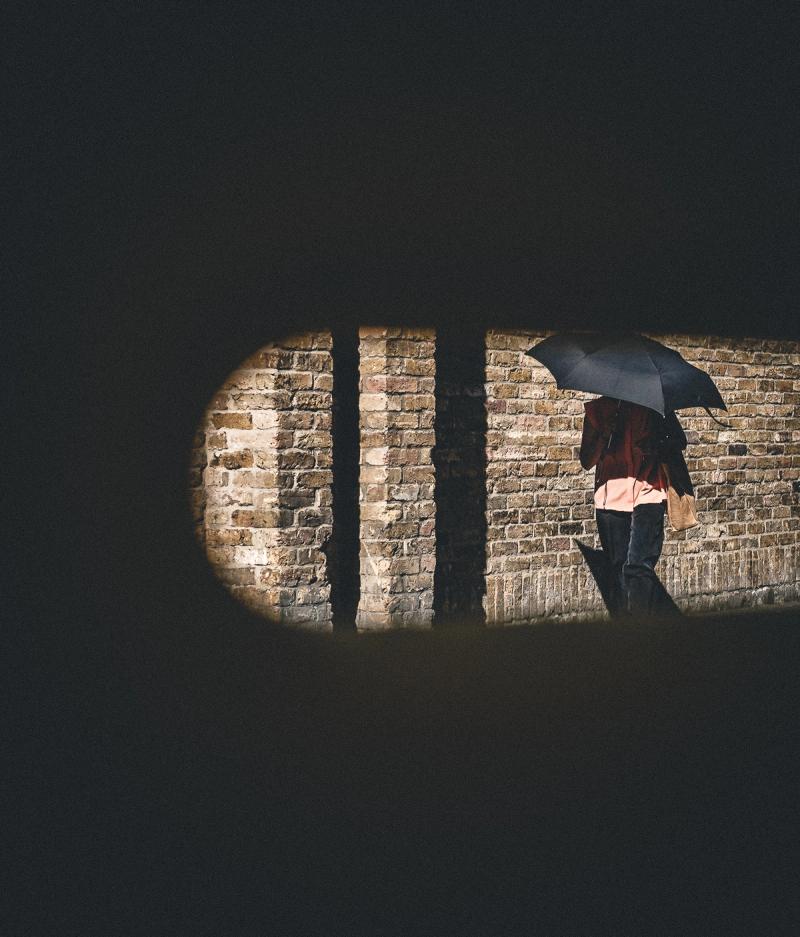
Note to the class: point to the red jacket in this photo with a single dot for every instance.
(628, 442)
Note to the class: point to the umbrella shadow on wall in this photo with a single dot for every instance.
(600, 568)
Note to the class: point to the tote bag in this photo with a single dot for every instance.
(680, 507)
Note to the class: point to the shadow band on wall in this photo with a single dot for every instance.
(459, 460)
(342, 551)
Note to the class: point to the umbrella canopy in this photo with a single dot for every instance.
(627, 367)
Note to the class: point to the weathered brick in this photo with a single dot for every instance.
(243, 518)
(293, 380)
(314, 479)
(400, 455)
(271, 358)
(314, 361)
(217, 440)
(311, 400)
(295, 459)
(417, 402)
(232, 420)
(401, 384)
(241, 458)
(227, 536)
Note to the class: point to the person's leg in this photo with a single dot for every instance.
(644, 591)
(614, 529)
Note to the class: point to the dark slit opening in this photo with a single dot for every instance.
(459, 459)
(342, 548)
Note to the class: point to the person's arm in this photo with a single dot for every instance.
(593, 440)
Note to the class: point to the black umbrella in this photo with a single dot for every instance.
(627, 367)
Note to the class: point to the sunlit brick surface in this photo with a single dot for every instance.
(540, 500)
(263, 495)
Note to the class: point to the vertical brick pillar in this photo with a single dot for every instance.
(397, 510)
(268, 480)
(297, 577)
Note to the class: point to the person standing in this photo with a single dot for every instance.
(626, 444)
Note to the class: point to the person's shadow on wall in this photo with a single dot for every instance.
(600, 568)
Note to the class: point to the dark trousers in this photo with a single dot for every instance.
(632, 543)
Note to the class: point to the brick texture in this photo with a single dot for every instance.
(540, 499)
(261, 480)
(397, 510)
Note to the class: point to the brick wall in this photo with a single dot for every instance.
(265, 456)
(261, 481)
(540, 500)
(397, 510)
(748, 550)
(537, 498)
